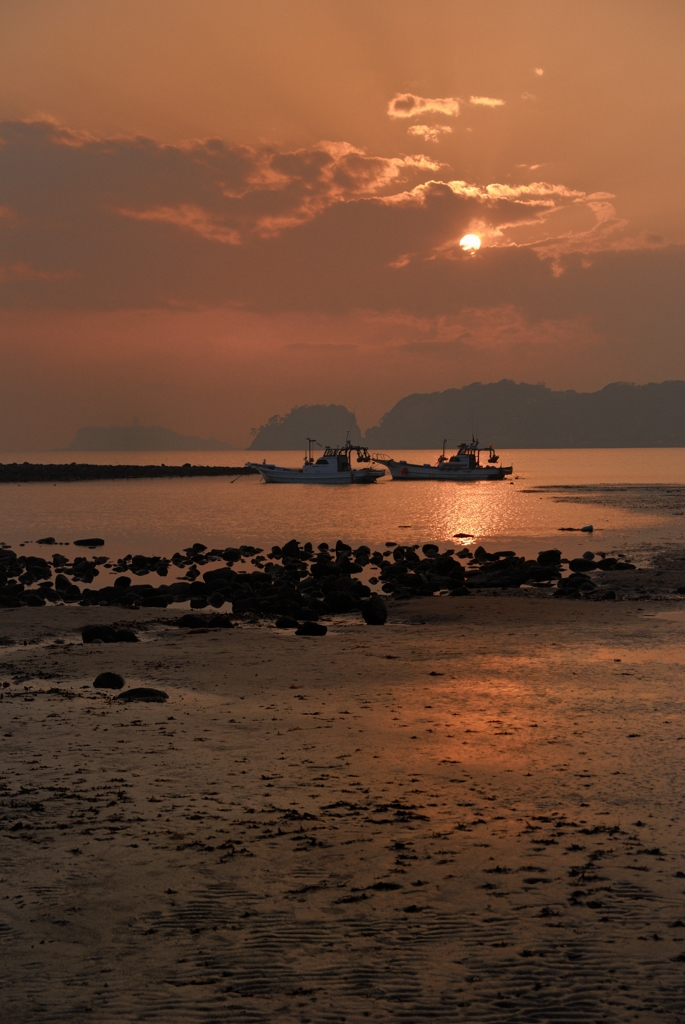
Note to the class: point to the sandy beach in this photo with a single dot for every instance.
(473, 813)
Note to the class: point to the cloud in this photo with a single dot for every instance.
(485, 101)
(406, 104)
(429, 133)
(125, 225)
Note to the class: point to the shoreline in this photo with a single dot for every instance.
(472, 813)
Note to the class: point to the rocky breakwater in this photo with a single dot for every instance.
(34, 472)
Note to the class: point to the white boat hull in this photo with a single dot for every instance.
(315, 474)
(410, 471)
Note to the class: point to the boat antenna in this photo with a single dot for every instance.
(308, 455)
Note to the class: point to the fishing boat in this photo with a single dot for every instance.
(334, 466)
(465, 465)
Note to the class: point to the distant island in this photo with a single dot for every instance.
(328, 424)
(141, 439)
(505, 414)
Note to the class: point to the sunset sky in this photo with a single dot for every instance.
(213, 211)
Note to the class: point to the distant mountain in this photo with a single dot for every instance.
(141, 439)
(511, 415)
(329, 424)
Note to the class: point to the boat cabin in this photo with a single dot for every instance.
(468, 455)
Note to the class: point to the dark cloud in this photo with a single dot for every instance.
(127, 223)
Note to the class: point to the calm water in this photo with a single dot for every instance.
(161, 516)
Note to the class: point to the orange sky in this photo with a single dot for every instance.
(210, 212)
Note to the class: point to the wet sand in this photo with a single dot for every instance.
(473, 813)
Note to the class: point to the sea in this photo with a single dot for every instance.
(632, 499)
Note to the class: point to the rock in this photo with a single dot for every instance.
(107, 634)
(550, 557)
(606, 563)
(582, 565)
(46, 540)
(90, 542)
(589, 555)
(624, 565)
(198, 602)
(220, 622)
(231, 555)
(144, 693)
(311, 629)
(191, 621)
(430, 550)
(291, 549)
(338, 602)
(122, 581)
(374, 611)
(587, 529)
(217, 599)
(286, 622)
(126, 636)
(606, 595)
(154, 601)
(109, 681)
(309, 613)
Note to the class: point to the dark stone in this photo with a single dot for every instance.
(311, 629)
(180, 589)
(606, 563)
(90, 542)
(291, 549)
(198, 602)
(232, 555)
(221, 622)
(582, 565)
(105, 633)
(308, 613)
(109, 681)
(32, 599)
(126, 636)
(122, 581)
(217, 599)
(550, 557)
(322, 569)
(430, 550)
(624, 565)
(606, 595)
(154, 601)
(219, 575)
(286, 622)
(46, 540)
(192, 621)
(144, 693)
(374, 611)
(339, 601)
(541, 573)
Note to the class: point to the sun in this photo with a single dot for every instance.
(470, 243)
